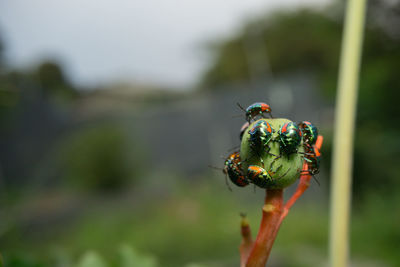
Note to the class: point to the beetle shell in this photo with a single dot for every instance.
(257, 109)
(258, 176)
(260, 135)
(233, 169)
(289, 138)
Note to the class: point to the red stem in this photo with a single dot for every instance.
(247, 242)
(272, 212)
(257, 253)
(304, 182)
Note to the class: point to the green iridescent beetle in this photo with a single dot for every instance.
(289, 138)
(310, 132)
(260, 135)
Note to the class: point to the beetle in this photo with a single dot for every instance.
(258, 108)
(233, 170)
(258, 176)
(262, 178)
(312, 156)
(289, 138)
(309, 131)
(259, 136)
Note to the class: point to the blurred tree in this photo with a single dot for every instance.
(53, 82)
(97, 158)
(34, 107)
(304, 39)
(7, 96)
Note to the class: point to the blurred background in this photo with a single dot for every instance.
(112, 111)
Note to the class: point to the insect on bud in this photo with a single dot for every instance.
(270, 157)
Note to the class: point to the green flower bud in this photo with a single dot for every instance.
(264, 151)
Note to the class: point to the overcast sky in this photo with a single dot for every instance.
(97, 41)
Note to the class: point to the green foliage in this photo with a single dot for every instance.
(96, 158)
(230, 65)
(23, 260)
(178, 228)
(128, 257)
(91, 259)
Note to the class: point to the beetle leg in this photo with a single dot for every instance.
(313, 176)
(305, 153)
(316, 180)
(227, 184)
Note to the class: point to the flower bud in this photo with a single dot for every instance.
(283, 169)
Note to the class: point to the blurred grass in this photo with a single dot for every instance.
(198, 222)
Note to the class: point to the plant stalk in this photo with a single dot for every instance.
(269, 226)
(247, 242)
(344, 132)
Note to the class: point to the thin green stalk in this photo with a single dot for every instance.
(344, 132)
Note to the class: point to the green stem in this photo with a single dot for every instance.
(344, 132)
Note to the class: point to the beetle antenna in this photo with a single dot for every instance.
(234, 148)
(227, 184)
(215, 168)
(226, 178)
(316, 180)
(240, 107)
(237, 116)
